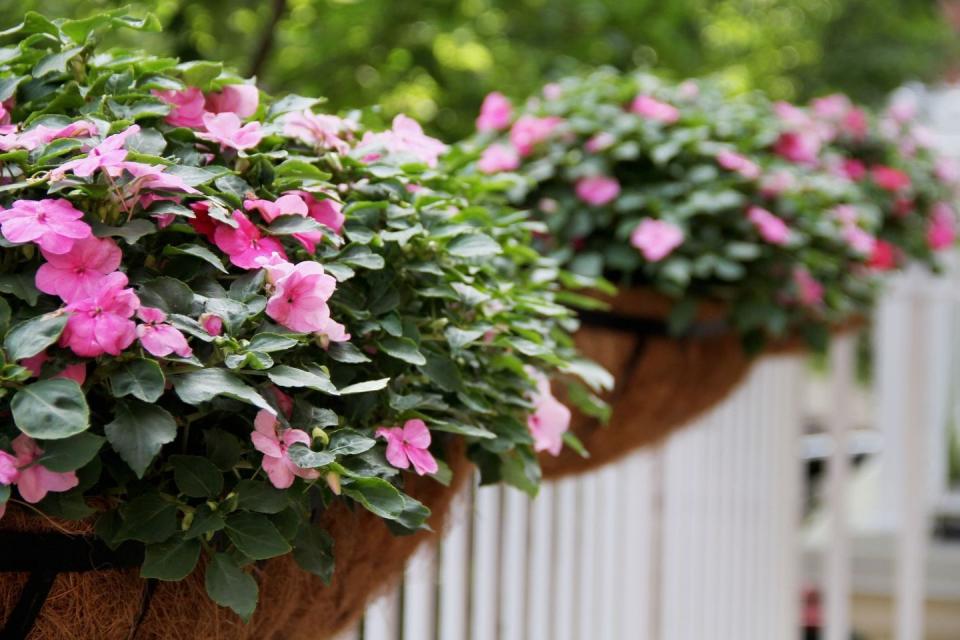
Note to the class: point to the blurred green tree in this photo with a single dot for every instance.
(436, 59)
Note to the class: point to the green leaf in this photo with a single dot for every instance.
(55, 62)
(377, 495)
(255, 536)
(289, 224)
(30, 337)
(51, 409)
(204, 385)
(131, 232)
(365, 387)
(358, 255)
(148, 519)
(169, 294)
(347, 353)
(313, 551)
(402, 349)
(253, 495)
(199, 73)
(347, 442)
(138, 432)
(205, 521)
(229, 586)
(459, 338)
(305, 458)
(270, 342)
(20, 285)
(474, 245)
(196, 476)
(196, 251)
(223, 448)
(287, 376)
(170, 561)
(70, 453)
(141, 378)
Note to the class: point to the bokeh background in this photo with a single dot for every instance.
(436, 59)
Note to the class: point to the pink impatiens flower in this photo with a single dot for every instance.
(652, 109)
(777, 182)
(732, 161)
(597, 190)
(549, 421)
(322, 131)
(299, 298)
(495, 113)
(53, 224)
(42, 134)
(405, 138)
(408, 445)
(228, 130)
(942, 229)
(101, 323)
(599, 142)
(241, 99)
(289, 204)
(245, 244)
(34, 480)
(656, 239)
(799, 148)
(274, 444)
(187, 107)
(809, 290)
(77, 274)
(151, 176)
(108, 156)
(211, 323)
(529, 131)
(884, 256)
(890, 179)
(326, 211)
(8, 469)
(497, 158)
(159, 338)
(771, 228)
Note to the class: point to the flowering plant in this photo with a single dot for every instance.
(696, 193)
(221, 312)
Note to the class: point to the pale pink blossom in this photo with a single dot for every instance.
(549, 420)
(289, 204)
(809, 290)
(187, 107)
(322, 131)
(158, 337)
(101, 323)
(77, 274)
(408, 445)
(150, 176)
(942, 228)
(405, 138)
(652, 109)
(599, 142)
(211, 323)
(689, 89)
(833, 107)
(108, 156)
(529, 131)
(777, 182)
(597, 190)
(245, 244)
(656, 239)
(299, 299)
(497, 158)
(947, 170)
(799, 148)
(53, 224)
(552, 91)
(855, 123)
(771, 228)
(35, 480)
(857, 238)
(228, 130)
(495, 113)
(8, 469)
(240, 99)
(904, 108)
(733, 161)
(42, 134)
(274, 443)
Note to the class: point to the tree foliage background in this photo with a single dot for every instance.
(436, 59)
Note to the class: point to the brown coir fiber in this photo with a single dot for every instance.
(662, 383)
(294, 605)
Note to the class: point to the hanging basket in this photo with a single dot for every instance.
(662, 382)
(58, 582)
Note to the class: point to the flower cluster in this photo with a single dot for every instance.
(785, 214)
(222, 311)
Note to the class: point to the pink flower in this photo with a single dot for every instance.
(8, 469)
(245, 243)
(855, 123)
(799, 148)
(289, 204)
(599, 142)
(495, 113)
(229, 131)
(497, 158)
(299, 299)
(101, 323)
(597, 190)
(732, 161)
(833, 107)
(76, 372)
(159, 338)
(809, 291)
(240, 99)
(859, 240)
(211, 323)
(549, 421)
(108, 155)
(149, 176)
(409, 444)
(187, 107)
(776, 183)
(326, 211)
(274, 444)
(406, 138)
(529, 131)
(54, 225)
(904, 108)
(656, 239)
(41, 134)
(322, 131)
(552, 91)
(942, 229)
(771, 228)
(884, 256)
(652, 109)
(35, 480)
(77, 274)
(854, 169)
(890, 179)
(947, 169)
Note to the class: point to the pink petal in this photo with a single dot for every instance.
(279, 472)
(423, 461)
(416, 433)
